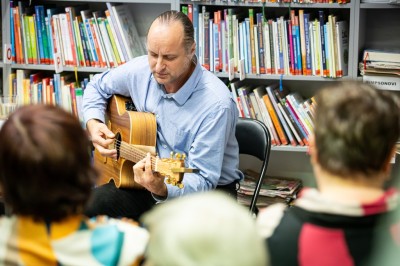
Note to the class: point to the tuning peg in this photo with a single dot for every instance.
(178, 156)
(171, 154)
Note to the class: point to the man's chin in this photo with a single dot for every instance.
(162, 80)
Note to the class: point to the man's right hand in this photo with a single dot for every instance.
(101, 137)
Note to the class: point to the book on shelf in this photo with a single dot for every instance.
(280, 95)
(342, 40)
(275, 120)
(259, 92)
(384, 56)
(275, 103)
(127, 27)
(380, 62)
(33, 87)
(383, 82)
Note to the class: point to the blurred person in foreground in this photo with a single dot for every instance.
(203, 229)
(46, 177)
(356, 129)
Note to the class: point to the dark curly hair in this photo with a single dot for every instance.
(45, 163)
(356, 128)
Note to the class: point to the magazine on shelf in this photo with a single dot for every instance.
(272, 186)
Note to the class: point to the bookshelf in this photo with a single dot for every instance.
(369, 26)
(143, 12)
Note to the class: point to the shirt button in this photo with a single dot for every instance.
(164, 146)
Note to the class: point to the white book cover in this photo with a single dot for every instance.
(130, 34)
(267, 50)
(391, 83)
(342, 39)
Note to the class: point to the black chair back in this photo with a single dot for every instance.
(254, 139)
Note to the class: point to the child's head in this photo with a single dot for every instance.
(356, 129)
(45, 163)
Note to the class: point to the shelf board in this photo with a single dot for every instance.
(52, 68)
(377, 6)
(269, 5)
(119, 1)
(290, 148)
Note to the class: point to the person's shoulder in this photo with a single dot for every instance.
(125, 225)
(269, 218)
(215, 86)
(124, 234)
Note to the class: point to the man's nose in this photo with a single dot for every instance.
(160, 63)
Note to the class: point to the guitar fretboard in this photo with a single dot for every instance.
(132, 153)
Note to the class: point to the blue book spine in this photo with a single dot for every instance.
(323, 54)
(12, 39)
(57, 91)
(45, 38)
(50, 40)
(261, 44)
(40, 92)
(248, 50)
(295, 52)
(215, 46)
(299, 61)
(242, 41)
(85, 45)
(308, 44)
(196, 26)
(38, 28)
(96, 59)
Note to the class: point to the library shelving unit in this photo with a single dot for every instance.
(144, 11)
(369, 26)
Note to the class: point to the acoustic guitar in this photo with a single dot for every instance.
(135, 136)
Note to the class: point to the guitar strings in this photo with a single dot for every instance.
(126, 149)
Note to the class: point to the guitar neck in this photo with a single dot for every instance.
(133, 154)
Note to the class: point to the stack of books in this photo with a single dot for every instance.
(381, 68)
(273, 190)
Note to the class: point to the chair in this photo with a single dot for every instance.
(254, 139)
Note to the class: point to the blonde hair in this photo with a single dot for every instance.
(207, 228)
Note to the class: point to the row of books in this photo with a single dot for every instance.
(288, 116)
(243, 40)
(273, 189)
(82, 37)
(33, 87)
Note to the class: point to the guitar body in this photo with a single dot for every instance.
(134, 128)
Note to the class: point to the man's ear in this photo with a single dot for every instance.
(193, 49)
(312, 149)
(387, 167)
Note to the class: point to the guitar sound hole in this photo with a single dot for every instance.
(118, 144)
(130, 106)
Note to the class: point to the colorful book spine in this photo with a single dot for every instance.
(12, 33)
(261, 45)
(275, 120)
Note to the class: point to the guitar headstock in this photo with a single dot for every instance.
(173, 168)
